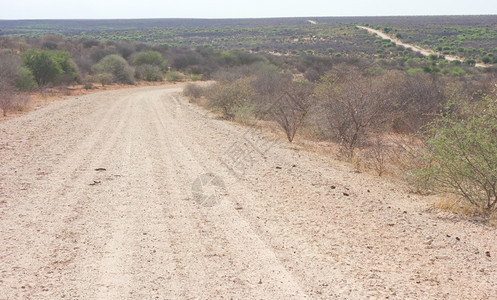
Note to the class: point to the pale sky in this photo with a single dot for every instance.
(114, 9)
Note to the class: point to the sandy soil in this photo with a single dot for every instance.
(108, 196)
(425, 52)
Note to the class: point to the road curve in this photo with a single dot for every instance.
(138, 194)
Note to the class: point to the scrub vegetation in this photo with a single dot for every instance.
(379, 105)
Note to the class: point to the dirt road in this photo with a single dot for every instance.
(103, 197)
(425, 52)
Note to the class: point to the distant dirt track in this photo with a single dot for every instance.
(425, 52)
(101, 198)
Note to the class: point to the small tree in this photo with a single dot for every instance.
(48, 65)
(463, 153)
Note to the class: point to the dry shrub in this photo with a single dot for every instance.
(458, 206)
(244, 113)
(292, 107)
(454, 204)
(193, 91)
(270, 84)
(406, 157)
(418, 97)
(13, 101)
(228, 97)
(378, 155)
(355, 103)
(10, 98)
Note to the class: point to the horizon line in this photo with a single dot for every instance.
(244, 18)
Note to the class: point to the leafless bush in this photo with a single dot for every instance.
(378, 155)
(9, 68)
(408, 156)
(292, 107)
(21, 102)
(312, 75)
(418, 98)
(354, 104)
(6, 100)
(84, 64)
(11, 100)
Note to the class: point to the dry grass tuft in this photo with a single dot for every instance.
(456, 205)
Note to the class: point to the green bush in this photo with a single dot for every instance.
(153, 58)
(457, 71)
(433, 57)
(486, 60)
(117, 66)
(196, 77)
(103, 78)
(414, 71)
(462, 153)
(174, 76)
(148, 73)
(25, 80)
(47, 66)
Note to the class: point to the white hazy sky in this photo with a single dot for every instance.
(112, 9)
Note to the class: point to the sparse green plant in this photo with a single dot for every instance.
(229, 96)
(462, 152)
(244, 113)
(174, 76)
(196, 77)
